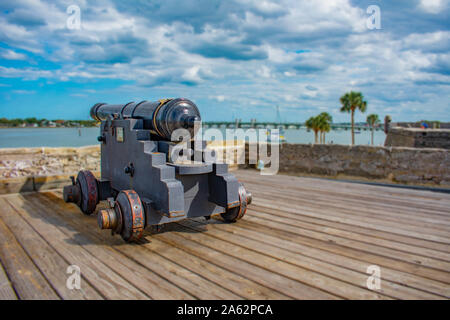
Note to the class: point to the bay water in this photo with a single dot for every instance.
(77, 137)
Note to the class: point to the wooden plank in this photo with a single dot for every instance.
(51, 182)
(357, 245)
(27, 280)
(86, 231)
(49, 262)
(367, 209)
(191, 282)
(106, 281)
(91, 228)
(234, 282)
(274, 281)
(343, 189)
(294, 234)
(395, 284)
(336, 183)
(318, 246)
(289, 241)
(427, 201)
(417, 243)
(392, 193)
(312, 279)
(377, 207)
(15, 185)
(401, 229)
(6, 289)
(283, 217)
(436, 287)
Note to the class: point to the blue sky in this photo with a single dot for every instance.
(234, 58)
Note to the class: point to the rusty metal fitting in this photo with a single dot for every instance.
(107, 219)
(71, 193)
(249, 198)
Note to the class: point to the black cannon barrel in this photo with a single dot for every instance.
(162, 117)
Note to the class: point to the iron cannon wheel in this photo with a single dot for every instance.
(133, 218)
(236, 213)
(89, 192)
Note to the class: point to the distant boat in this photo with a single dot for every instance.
(357, 132)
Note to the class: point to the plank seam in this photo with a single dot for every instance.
(324, 261)
(282, 275)
(89, 254)
(28, 254)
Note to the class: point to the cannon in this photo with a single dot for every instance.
(143, 179)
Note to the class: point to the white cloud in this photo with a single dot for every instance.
(433, 6)
(258, 52)
(219, 98)
(12, 55)
(192, 75)
(264, 72)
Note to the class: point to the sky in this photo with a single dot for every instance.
(233, 58)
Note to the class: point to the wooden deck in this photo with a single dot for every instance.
(302, 238)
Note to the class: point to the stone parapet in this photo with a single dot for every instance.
(418, 138)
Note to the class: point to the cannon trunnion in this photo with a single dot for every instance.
(143, 185)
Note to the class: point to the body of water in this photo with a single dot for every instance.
(77, 137)
(336, 137)
(48, 137)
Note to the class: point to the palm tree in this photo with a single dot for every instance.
(325, 120)
(352, 101)
(326, 127)
(320, 124)
(372, 121)
(313, 123)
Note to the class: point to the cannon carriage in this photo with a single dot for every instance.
(142, 176)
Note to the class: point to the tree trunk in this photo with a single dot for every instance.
(353, 126)
(372, 135)
(315, 136)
